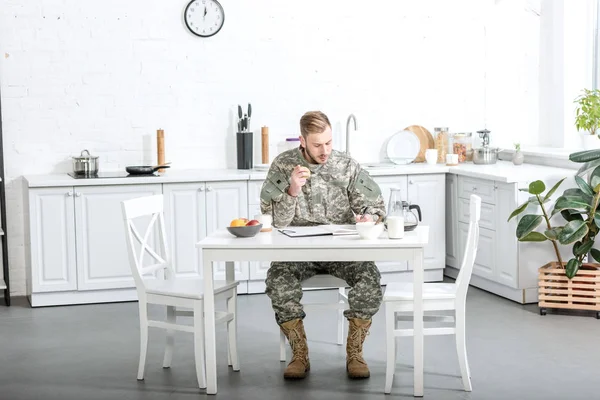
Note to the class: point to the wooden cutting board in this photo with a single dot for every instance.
(425, 138)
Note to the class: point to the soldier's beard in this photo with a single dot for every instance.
(314, 160)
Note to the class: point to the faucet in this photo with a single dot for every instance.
(484, 134)
(350, 117)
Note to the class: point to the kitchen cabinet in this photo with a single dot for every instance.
(77, 240)
(453, 258)
(194, 210)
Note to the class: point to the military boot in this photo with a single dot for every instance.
(299, 366)
(356, 366)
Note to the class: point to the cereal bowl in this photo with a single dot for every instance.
(369, 229)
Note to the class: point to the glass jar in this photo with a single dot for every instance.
(441, 143)
(463, 146)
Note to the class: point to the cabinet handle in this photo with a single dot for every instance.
(495, 187)
(209, 189)
(411, 182)
(201, 189)
(474, 188)
(69, 194)
(78, 194)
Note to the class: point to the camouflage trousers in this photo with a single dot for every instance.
(285, 290)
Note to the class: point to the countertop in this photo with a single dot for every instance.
(502, 171)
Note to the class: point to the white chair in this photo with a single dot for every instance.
(323, 281)
(157, 284)
(398, 298)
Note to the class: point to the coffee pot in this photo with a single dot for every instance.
(398, 207)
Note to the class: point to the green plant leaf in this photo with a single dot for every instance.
(553, 233)
(572, 267)
(571, 215)
(595, 177)
(571, 202)
(551, 191)
(595, 254)
(588, 166)
(585, 156)
(534, 237)
(585, 188)
(518, 211)
(572, 232)
(527, 224)
(580, 249)
(537, 187)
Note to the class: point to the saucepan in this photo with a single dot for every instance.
(144, 169)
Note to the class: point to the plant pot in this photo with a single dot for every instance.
(590, 142)
(580, 293)
(517, 158)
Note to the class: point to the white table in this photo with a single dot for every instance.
(274, 246)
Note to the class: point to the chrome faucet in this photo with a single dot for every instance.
(350, 117)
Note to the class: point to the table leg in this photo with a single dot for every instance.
(418, 277)
(209, 326)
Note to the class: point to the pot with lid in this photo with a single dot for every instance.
(85, 164)
(485, 154)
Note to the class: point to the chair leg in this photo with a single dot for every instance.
(232, 332)
(143, 309)
(461, 349)
(341, 300)
(390, 341)
(199, 344)
(170, 338)
(282, 340)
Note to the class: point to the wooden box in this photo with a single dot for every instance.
(580, 293)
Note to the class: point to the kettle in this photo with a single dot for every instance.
(397, 207)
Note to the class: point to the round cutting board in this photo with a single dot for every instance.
(425, 139)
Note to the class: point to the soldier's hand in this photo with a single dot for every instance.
(298, 179)
(364, 218)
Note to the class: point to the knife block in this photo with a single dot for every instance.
(244, 146)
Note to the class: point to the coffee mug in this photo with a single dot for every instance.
(265, 220)
(431, 156)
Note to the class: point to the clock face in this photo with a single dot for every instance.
(204, 17)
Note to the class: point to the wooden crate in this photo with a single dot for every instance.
(580, 293)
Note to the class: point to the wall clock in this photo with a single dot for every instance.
(204, 18)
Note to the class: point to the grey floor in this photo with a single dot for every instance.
(90, 352)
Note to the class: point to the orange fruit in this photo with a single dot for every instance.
(238, 222)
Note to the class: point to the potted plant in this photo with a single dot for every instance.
(587, 117)
(570, 284)
(517, 158)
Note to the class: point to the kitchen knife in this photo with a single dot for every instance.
(249, 116)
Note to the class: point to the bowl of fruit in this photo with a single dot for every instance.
(242, 227)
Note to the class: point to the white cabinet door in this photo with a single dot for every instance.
(102, 258)
(507, 269)
(428, 191)
(226, 201)
(386, 183)
(485, 260)
(185, 219)
(453, 258)
(52, 225)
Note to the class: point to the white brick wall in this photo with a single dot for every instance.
(105, 75)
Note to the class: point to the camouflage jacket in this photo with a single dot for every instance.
(334, 193)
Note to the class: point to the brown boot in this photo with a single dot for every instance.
(355, 364)
(299, 366)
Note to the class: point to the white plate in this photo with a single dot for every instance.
(403, 147)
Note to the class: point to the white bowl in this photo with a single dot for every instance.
(369, 230)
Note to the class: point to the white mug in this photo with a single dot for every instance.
(265, 220)
(431, 156)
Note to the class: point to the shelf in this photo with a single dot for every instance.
(2, 284)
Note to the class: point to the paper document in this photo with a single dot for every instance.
(319, 230)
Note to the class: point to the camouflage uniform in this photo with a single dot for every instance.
(334, 193)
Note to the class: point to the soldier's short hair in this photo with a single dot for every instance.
(313, 122)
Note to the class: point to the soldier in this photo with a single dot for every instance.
(314, 185)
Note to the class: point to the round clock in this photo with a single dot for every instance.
(204, 18)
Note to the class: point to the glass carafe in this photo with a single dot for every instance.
(395, 216)
(410, 218)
